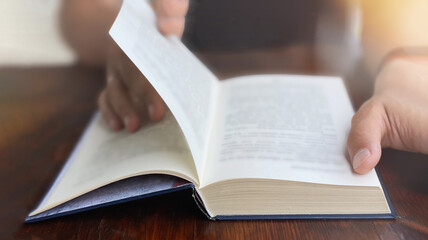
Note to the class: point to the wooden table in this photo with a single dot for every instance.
(43, 111)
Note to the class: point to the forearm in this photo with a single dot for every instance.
(85, 26)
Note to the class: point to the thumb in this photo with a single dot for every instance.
(365, 136)
(171, 16)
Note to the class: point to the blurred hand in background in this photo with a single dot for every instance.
(128, 98)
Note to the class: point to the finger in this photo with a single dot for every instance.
(171, 8)
(365, 137)
(171, 26)
(155, 105)
(112, 119)
(121, 103)
(141, 90)
(171, 16)
(135, 82)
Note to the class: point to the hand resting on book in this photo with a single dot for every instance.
(396, 116)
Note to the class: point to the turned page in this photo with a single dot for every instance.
(104, 156)
(184, 83)
(283, 127)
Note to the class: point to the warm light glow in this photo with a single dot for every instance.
(391, 24)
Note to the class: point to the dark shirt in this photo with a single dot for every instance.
(249, 24)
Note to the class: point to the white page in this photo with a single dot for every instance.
(104, 156)
(283, 127)
(183, 82)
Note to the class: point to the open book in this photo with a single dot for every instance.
(265, 146)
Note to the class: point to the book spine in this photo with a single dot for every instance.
(200, 204)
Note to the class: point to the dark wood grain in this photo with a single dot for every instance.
(43, 111)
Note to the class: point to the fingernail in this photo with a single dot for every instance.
(151, 109)
(126, 120)
(361, 156)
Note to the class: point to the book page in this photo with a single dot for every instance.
(103, 156)
(283, 127)
(184, 83)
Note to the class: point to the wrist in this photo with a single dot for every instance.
(409, 54)
(403, 74)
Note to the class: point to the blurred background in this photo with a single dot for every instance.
(30, 31)
(30, 34)
(327, 37)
